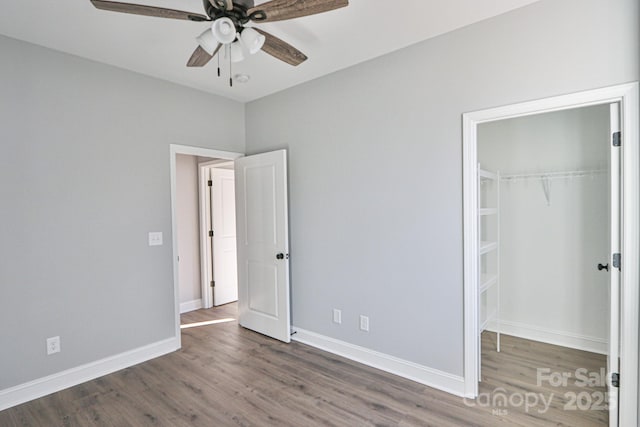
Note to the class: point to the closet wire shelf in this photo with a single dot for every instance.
(546, 178)
(553, 175)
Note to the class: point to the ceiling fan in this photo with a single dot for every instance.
(228, 18)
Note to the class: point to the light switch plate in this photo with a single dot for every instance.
(155, 238)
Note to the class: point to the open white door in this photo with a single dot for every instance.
(223, 218)
(263, 244)
(613, 361)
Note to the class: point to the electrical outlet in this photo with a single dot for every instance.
(53, 345)
(364, 323)
(337, 316)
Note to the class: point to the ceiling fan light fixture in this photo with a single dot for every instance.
(224, 30)
(236, 52)
(207, 41)
(228, 19)
(252, 40)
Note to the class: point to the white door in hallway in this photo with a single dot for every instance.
(223, 220)
(263, 244)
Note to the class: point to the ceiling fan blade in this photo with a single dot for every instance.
(279, 10)
(222, 4)
(138, 9)
(281, 50)
(200, 57)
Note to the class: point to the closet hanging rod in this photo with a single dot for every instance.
(553, 175)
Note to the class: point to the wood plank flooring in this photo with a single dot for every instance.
(228, 376)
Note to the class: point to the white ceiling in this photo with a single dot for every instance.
(160, 47)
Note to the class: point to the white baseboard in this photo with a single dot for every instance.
(550, 336)
(195, 304)
(50, 384)
(453, 384)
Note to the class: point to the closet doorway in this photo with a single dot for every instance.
(541, 242)
(544, 227)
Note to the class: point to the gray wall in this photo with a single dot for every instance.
(188, 228)
(376, 165)
(560, 141)
(84, 175)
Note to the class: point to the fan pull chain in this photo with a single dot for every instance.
(218, 64)
(230, 71)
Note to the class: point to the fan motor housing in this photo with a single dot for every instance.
(238, 15)
(240, 4)
(248, 4)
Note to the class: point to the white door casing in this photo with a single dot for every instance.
(206, 225)
(263, 244)
(223, 219)
(627, 95)
(206, 246)
(614, 266)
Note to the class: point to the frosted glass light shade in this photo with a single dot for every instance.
(252, 40)
(224, 30)
(207, 41)
(236, 52)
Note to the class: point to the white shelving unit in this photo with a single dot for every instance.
(489, 250)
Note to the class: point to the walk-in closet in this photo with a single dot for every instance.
(543, 225)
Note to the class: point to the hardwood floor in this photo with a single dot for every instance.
(228, 376)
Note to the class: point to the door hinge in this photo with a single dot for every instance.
(210, 233)
(615, 379)
(617, 139)
(213, 283)
(210, 183)
(617, 261)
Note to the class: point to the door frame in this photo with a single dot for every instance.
(206, 255)
(627, 96)
(174, 150)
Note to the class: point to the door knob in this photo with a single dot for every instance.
(280, 256)
(603, 267)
